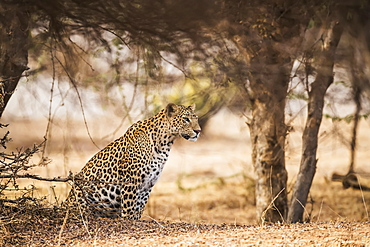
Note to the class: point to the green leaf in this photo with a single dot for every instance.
(311, 24)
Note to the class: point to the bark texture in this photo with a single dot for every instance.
(269, 45)
(268, 131)
(14, 33)
(324, 78)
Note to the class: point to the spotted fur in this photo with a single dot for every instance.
(117, 181)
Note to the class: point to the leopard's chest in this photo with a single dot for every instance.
(154, 167)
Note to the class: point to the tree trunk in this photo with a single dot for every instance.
(324, 78)
(268, 131)
(13, 49)
(268, 38)
(356, 120)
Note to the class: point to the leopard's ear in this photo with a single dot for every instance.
(192, 107)
(171, 109)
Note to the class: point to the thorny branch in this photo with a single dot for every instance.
(13, 165)
(36, 177)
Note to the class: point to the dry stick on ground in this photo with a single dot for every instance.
(351, 181)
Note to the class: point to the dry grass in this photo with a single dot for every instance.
(205, 196)
(218, 213)
(233, 203)
(50, 227)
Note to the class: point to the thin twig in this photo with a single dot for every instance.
(304, 208)
(130, 106)
(363, 200)
(52, 55)
(80, 101)
(62, 228)
(159, 224)
(271, 205)
(176, 66)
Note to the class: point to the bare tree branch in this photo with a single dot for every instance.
(37, 177)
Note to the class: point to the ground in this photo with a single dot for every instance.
(104, 232)
(205, 196)
(181, 234)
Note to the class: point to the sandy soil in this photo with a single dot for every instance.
(326, 234)
(102, 232)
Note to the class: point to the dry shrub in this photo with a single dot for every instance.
(22, 214)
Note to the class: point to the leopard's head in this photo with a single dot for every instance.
(183, 121)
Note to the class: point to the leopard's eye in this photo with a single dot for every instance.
(187, 119)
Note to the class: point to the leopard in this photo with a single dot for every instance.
(117, 181)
